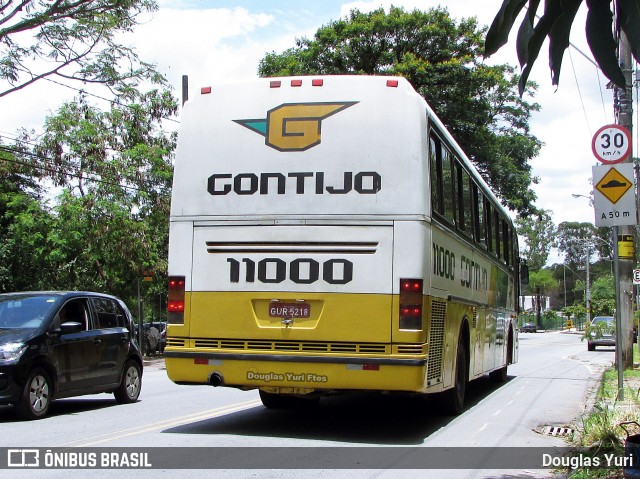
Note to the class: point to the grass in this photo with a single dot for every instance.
(598, 431)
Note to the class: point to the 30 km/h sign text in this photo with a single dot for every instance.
(611, 144)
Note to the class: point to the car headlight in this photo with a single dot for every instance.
(11, 352)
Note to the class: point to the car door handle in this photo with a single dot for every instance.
(97, 341)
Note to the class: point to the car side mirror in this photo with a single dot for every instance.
(71, 327)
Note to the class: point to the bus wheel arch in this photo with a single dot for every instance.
(452, 400)
(500, 375)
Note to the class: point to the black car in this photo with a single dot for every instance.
(62, 344)
(529, 328)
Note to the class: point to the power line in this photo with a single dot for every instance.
(58, 169)
(575, 76)
(114, 101)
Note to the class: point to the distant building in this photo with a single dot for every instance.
(528, 303)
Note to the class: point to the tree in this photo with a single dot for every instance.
(556, 23)
(538, 232)
(109, 223)
(71, 39)
(572, 240)
(24, 224)
(541, 281)
(603, 296)
(478, 103)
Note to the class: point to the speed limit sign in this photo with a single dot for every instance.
(611, 144)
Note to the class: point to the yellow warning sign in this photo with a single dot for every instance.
(613, 185)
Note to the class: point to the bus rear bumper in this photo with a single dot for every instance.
(297, 373)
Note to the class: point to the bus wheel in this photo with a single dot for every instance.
(284, 401)
(453, 399)
(499, 375)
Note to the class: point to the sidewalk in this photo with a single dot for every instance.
(153, 362)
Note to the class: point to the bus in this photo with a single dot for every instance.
(328, 235)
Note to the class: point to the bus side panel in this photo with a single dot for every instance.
(467, 279)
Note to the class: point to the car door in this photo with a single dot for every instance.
(77, 354)
(114, 338)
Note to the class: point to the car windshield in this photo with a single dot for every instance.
(603, 319)
(25, 311)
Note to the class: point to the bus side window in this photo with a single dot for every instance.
(463, 199)
(447, 185)
(479, 223)
(435, 161)
(514, 247)
(489, 236)
(497, 233)
(505, 242)
(458, 190)
(467, 203)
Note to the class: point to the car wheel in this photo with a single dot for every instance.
(130, 384)
(591, 346)
(36, 395)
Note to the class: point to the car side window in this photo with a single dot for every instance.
(108, 313)
(74, 311)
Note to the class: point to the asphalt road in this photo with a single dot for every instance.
(550, 386)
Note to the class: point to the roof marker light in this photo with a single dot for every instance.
(392, 83)
(205, 90)
(296, 82)
(317, 82)
(275, 84)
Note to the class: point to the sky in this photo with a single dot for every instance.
(222, 41)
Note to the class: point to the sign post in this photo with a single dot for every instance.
(614, 201)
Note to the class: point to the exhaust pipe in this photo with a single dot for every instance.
(216, 379)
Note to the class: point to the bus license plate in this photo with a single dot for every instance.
(290, 310)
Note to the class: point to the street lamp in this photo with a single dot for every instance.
(590, 197)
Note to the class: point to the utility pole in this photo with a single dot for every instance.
(623, 107)
(588, 288)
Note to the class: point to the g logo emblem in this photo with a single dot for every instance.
(294, 126)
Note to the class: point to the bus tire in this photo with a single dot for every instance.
(452, 400)
(499, 375)
(284, 401)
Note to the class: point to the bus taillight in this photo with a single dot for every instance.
(411, 304)
(175, 303)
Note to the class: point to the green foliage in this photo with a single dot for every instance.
(478, 103)
(556, 23)
(572, 240)
(543, 280)
(603, 296)
(577, 311)
(72, 40)
(539, 232)
(551, 320)
(109, 222)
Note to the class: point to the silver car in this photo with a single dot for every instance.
(601, 332)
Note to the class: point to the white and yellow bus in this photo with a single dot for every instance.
(328, 234)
